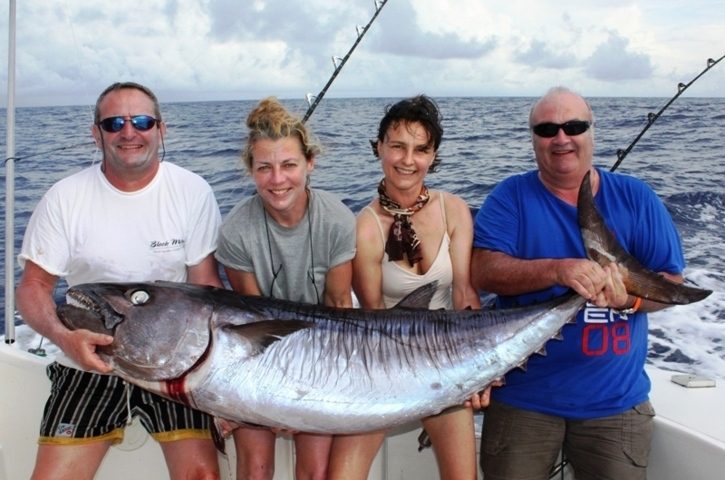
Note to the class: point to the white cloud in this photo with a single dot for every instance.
(69, 51)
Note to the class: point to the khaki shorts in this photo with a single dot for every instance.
(518, 444)
(86, 407)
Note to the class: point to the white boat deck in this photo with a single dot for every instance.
(689, 440)
(24, 391)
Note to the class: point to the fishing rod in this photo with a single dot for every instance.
(340, 62)
(652, 117)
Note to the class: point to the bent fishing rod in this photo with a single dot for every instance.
(652, 117)
(338, 62)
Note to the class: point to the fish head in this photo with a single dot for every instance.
(160, 330)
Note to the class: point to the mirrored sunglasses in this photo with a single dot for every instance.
(142, 123)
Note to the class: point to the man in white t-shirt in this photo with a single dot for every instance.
(131, 218)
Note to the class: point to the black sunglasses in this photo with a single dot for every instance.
(571, 128)
(141, 123)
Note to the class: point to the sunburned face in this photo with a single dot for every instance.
(128, 154)
(405, 155)
(280, 171)
(562, 157)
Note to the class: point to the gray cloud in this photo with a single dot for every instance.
(305, 28)
(400, 34)
(612, 61)
(538, 54)
(272, 20)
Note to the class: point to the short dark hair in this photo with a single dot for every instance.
(124, 85)
(421, 109)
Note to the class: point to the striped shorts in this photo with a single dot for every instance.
(86, 407)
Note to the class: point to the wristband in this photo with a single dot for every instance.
(635, 306)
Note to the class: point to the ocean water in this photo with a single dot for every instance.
(485, 140)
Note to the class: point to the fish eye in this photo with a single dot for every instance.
(139, 297)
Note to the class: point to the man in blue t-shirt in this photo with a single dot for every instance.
(589, 395)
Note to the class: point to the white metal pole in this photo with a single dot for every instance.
(10, 186)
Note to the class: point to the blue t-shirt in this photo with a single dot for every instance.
(598, 369)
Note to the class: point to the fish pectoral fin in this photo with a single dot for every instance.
(265, 333)
(424, 440)
(218, 437)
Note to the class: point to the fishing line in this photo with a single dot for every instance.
(340, 62)
(25, 157)
(337, 62)
(652, 117)
(64, 10)
(311, 272)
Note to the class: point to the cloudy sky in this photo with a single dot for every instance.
(69, 50)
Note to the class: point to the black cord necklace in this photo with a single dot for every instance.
(276, 272)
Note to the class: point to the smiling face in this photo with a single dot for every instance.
(406, 154)
(280, 171)
(130, 156)
(562, 159)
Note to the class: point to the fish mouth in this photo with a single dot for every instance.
(90, 311)
(75, 317)
(77, 299)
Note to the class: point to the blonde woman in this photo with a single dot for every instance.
(287, 241)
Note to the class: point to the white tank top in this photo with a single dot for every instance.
(399, 282)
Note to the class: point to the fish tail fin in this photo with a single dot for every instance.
(602, 247)
(653, 286)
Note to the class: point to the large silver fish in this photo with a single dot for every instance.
(306, 367)
(313, 368)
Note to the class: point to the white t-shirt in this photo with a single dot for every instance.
(86, 230)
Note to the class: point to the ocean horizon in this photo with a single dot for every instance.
(288, 100)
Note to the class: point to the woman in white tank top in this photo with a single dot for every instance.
(407, 237)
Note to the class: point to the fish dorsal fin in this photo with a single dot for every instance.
(265, 333)
(420, 297)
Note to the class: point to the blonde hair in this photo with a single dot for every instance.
(270, 120)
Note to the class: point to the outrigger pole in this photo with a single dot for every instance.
(10, 186)
(652, 117)
(340, 62)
